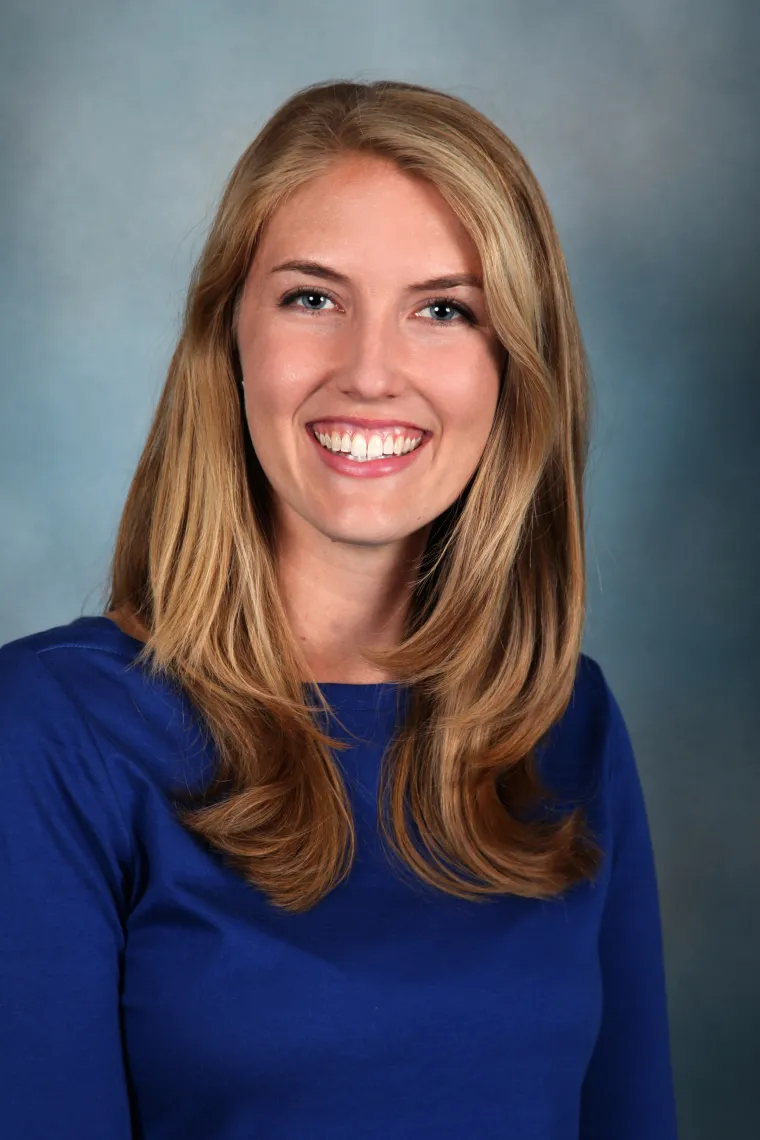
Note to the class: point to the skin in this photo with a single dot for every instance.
(348, 548)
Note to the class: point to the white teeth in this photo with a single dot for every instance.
(362, 449)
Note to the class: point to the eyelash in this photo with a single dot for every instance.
(463, 310)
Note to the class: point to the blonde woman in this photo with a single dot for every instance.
(326, 827)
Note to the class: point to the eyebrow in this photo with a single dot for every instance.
(315, 269)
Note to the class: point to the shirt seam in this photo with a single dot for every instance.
(79, 645)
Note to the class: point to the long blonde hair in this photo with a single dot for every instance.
(493, 635)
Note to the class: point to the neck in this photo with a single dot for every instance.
(341, 599)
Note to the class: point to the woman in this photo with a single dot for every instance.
(326, 827)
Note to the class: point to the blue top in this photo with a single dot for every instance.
(147, 991)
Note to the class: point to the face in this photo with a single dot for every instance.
(358, 349)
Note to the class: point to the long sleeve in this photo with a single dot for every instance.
(63, 853)
(628, 1089)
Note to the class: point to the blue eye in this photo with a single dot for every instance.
(455, 306)
(289, 298)
(437, 303)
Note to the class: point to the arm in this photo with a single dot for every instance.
(63, 850)
(628, 1092)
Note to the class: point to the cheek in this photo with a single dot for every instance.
(263, 344)
(466, 411)
(467, 404)
(265, 418)
(276, 381)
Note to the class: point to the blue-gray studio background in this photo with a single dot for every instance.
(120, 123)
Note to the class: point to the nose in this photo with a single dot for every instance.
(373, 368)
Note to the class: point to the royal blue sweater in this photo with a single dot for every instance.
(147, 991)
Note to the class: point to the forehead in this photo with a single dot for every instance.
(363, 207)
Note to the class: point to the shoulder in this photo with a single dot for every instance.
(57, 784)
(593, 715)
(77, 690)
(589, 744)
(46, 672)
(71, 645)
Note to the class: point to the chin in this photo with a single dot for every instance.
(358, 536)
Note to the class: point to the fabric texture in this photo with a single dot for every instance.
(147, 991)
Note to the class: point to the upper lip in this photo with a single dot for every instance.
(356, 421)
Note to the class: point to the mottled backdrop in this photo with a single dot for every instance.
(640, 118)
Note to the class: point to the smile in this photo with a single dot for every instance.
(365, 447)
(348, 450)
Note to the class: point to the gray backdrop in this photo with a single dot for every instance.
(640, 120)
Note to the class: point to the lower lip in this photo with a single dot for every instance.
(372, 469)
